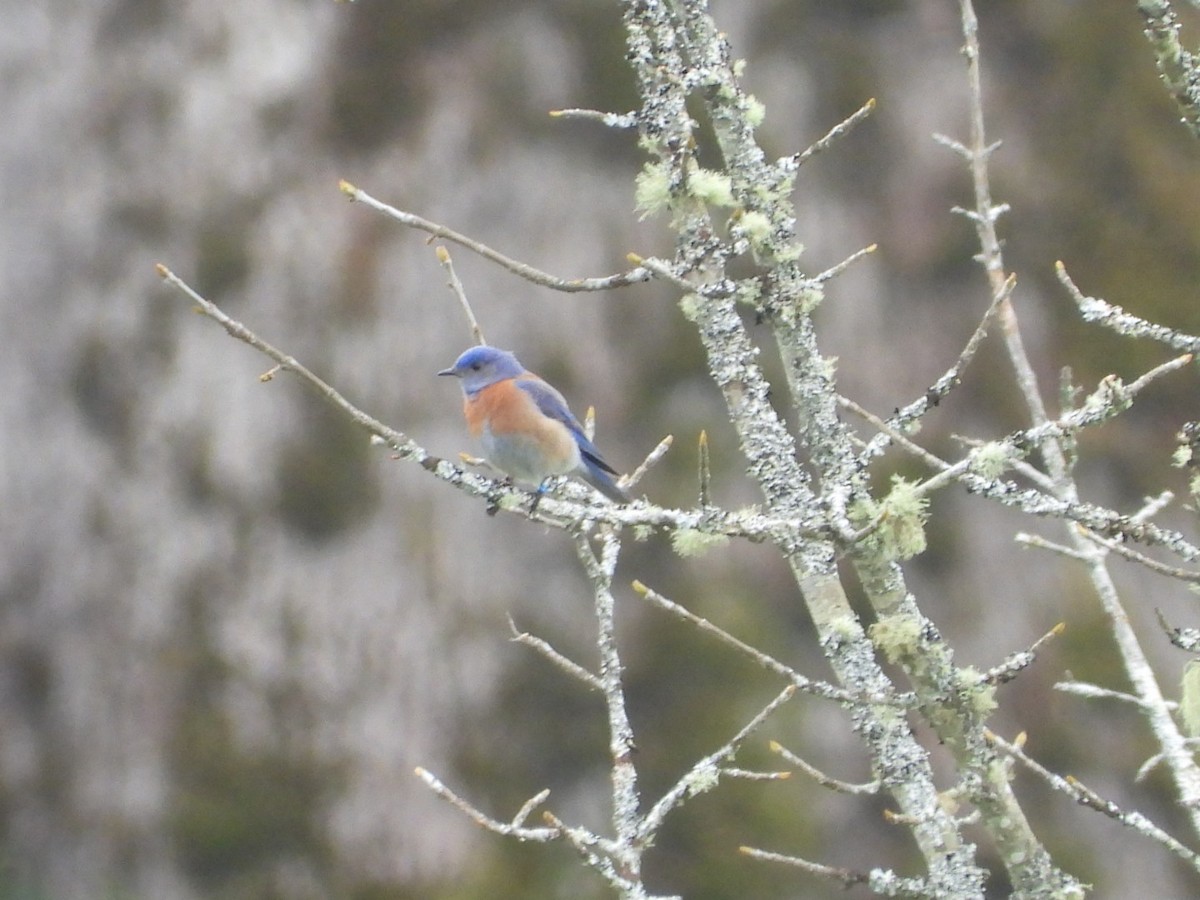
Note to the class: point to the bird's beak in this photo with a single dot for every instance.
(448, 372)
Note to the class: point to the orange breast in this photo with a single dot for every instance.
(516, 436)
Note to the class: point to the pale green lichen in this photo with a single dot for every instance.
(898, 520)
(755, 111)
(756, 226)
(749, 291)
(1189, 699)
(847, 628)
(898, 637)
(991, 460)
(979, 694)
(652, 189)
(1000, 770)
(703, 779)
(777, 193)
(810, 298)
(713, 188)
(1182, 456)
(642, 533)
(512, 501)
(1110, 397)
(983, 700)
(790, 253)
(689, 305)
(690, 543)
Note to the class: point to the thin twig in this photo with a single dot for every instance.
(1189, 575)
(838, 131)
(1021, 660)
(664, 271)
(1144, 770)
(1018, 465)
(1116, 319)
(524, 270)
(748, 775)
(1177, 65)
(652, 459)
(845, 877)
(529, 806)
(1084, 795)
(846, 263)
(894, 434)
(883, 882)
(460, 292)
(1186, 639)
(1095, 692)
(1153, 506)
(869, 788)
(1038, 542)
(513, 829)
(395, 439)
(543, 647)
(951, 378)
(610, 119)
(704, 774)
(801, 682)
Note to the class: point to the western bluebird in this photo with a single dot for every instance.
(524, 424)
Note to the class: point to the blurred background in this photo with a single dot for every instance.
(230, 628)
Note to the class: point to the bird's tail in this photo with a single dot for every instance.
(593, 472)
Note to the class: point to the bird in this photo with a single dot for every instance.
(525, 425)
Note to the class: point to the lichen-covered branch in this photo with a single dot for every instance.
(1177, 66)
(677, 51)
(693, 57)
(1137, 666)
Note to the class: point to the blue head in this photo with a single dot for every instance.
(483, 366)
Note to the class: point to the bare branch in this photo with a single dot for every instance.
(846, 263)
(1184, 638)
(543, 647)
(651, 460)
(747, 775)
(704, 774)
(529, 806)
(1084, 795)
(1112, 317)
(528, 272)
(837, 132)
(1176, 65)
(1017, 662)
(1095, 692)
(799, 681)
(884, 882)
(460, 292)
(904, 419)
(869, 788)
(1189, 575)
(609, 119)
(845, 877)
(510, 829)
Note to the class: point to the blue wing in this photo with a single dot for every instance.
(552, 404)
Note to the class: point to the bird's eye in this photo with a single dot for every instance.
(476, 367)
